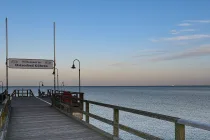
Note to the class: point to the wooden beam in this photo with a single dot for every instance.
(138, 133)
(87, 111)
(116, 123)
(99, 118)
(179, 131)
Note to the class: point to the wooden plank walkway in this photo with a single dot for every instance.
(33, 119)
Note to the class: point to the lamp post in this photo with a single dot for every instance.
(57, 78)
(73, 67)
(39, 85)
(2, 91)
(62, 84)
(2, 85)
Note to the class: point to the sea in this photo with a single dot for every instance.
(187, 102)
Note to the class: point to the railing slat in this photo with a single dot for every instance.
(138, 133)
(99, 118)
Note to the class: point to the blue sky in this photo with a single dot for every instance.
(119, 42)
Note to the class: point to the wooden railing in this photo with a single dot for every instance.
(178, 122)
(3, 96)
(70, 100)
(58, 91)
(22, 93)
(4, 117)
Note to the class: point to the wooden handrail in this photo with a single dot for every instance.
(21, 92)
(194, 124)
(179, 123)
(3, 96)
(4, 111)
(135, 111)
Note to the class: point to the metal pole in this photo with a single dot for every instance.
(79, 76)
(79, 71)
(62, 85)
(54, 57)
(2, 92)
(6, 55)
(39, 85)
(2, 85)
(57, 80)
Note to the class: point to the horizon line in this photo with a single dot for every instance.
(113, 86)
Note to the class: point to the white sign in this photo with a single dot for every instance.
(30, 63)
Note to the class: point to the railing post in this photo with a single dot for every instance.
(87, 111)
(81, 97)
(116, 122)
(60, 100)
(1, 121)
(70, 106)
(52, 101)
(179, 131)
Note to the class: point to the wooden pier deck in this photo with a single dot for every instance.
(25, 117)
(33, 119)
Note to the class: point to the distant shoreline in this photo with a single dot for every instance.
(126, 86)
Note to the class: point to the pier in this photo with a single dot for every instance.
(34, 119)
(60, 116)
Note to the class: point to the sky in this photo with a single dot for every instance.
(118, 42)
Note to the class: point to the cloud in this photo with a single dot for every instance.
(153, 40)
(117, 64)
(184, 24)
(122, 64)
(186, 37)
(198, 21)
(179, 31)
(149, 52)
(202, 50)
(187, 30)
(174, 32)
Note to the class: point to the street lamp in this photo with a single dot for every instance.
(2, 85)
(73, 67)
(62, 84)
(57, 78)
(41, 85)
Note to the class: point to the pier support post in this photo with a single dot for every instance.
(179, 131)
(87, 111)
(116, 123)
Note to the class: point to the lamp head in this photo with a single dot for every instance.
(73, 66)
(53, 72)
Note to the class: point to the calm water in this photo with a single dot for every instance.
(184, 102)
